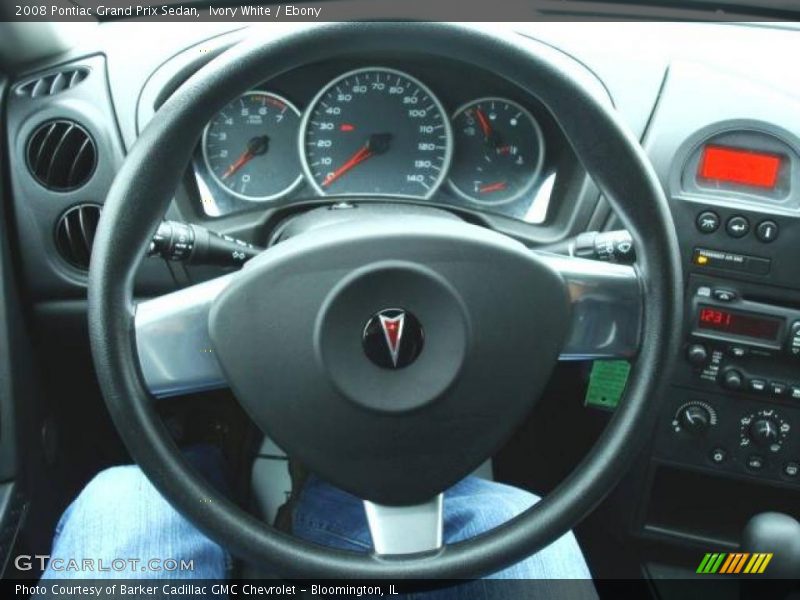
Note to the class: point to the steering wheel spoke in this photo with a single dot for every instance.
(172, 340)
(406, 529)
(607, 307)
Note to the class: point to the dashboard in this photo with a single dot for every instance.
(409, 129)
(718, 117)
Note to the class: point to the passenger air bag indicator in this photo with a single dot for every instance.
(730, 261)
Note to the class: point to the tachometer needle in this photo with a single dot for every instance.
(378, 143)
(492, 187)
(255, 147)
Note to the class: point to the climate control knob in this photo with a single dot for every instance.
(765, 429)
(694, 419)
(732, 379)
(764, 432)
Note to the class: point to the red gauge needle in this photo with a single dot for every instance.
(492, 187)
(378, 143)
(485, 126)
(255, 147)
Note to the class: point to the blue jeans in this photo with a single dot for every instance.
(120, 515)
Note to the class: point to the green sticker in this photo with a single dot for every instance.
(606, 383)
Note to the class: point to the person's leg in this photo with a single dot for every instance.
(120, 515)
(330, 517)
(476, 505)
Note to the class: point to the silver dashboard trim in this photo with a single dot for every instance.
(607, 307)
(176, 355)
(172, 340)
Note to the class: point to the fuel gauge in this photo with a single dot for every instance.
(498, 151)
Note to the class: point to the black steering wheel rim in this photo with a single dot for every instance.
(151, 173)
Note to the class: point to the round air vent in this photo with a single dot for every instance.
(61, 155)
(75, 234)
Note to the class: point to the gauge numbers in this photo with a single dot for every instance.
(376, 132)
(499, 151)
(249, 147)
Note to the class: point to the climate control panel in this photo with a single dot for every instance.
(731, 435)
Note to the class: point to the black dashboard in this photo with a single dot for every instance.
(718, 119)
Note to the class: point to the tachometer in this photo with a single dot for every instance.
(249, 147)
(377, 132)
(499, 151)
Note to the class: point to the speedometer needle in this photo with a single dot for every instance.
(378, 143)
(255, 147)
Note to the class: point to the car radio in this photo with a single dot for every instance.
(743, 345)
(736, 399)
(720, 314)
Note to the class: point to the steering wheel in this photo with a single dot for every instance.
(290, 332)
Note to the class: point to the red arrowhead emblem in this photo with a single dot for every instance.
(393, 332)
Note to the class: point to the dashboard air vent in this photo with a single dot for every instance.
(61, 155)
(75, 234)
(53, 83)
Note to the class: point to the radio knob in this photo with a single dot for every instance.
(732, 380)
(697, 355)
(764, 432)
(695, 419)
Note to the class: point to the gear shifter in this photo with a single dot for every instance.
(778, 534)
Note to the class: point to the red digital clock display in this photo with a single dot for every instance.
(738, 323)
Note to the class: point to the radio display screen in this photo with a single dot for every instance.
(740, 167)
(738, 323)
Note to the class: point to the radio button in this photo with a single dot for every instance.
(793, 345)
(738, 351)
(794, 392)
(758, 385)
(704, 291)
(724, 295)
(732, 379)
(777, 388)
(697, 355)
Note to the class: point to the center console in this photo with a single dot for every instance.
(727, 443)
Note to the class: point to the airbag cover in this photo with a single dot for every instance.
(289, 336)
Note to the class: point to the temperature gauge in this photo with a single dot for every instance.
(499, 151)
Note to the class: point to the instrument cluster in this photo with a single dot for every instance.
(375, 132)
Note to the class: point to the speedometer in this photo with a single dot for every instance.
(376, 132)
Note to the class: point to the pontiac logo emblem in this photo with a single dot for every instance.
(393, 338)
